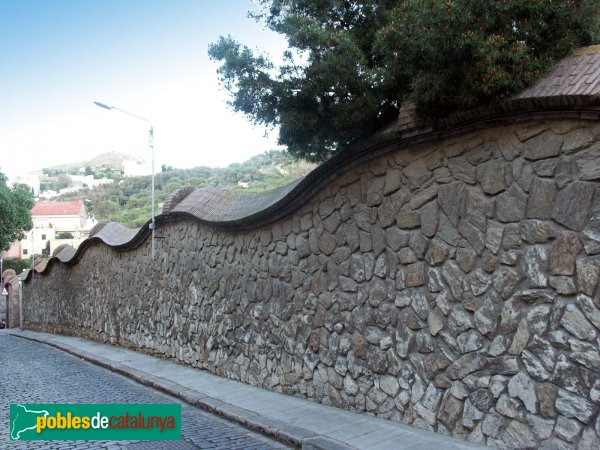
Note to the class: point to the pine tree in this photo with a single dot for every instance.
(351, 64)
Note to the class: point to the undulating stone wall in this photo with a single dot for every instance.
(451, 286)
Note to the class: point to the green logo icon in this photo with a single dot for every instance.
(23, 419)
(95, 421)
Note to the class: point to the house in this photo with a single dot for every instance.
(49, 219)
(136, 168)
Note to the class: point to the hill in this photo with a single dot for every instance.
(128, 200)
(108, 160)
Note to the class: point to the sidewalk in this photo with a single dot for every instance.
(288, 419)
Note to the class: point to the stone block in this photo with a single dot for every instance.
(396, 238)
(543, 146)
(462, 170)
(386, 212)
(490, 176)
(534, 265)
(392, 181)
(451, 199)
(563, 285)
(429, 219)
(545, 167)
(408, 219)
(521, 386)
(591, 237)
(537, 231)
(588, 270)
(422, 196)
(577, 140)
(414, 274)
(576, 323)
(446, 231)
(417, 173)
(541, 199)
(573, 406)
(374, 195)
(493, 236)
(473, 236)
(491, 425)
(437, 252)
(487, 316)
(466, 258)
(587, 163)
(561, 260)
(506, 281)
(573, 205)
(522, 173)
(418, 243)
(453, 275)
(435, 321)
(567, 429)
(327, 243)
(510, 205)
(450, 410)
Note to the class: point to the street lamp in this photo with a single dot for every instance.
(21, 303)
(151, 145)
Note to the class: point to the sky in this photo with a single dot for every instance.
(147, 57)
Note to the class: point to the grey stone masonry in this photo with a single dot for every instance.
(466, 303)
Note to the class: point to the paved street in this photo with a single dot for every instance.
(35, 373)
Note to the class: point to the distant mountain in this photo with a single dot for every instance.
(112, 160)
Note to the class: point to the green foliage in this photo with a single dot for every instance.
(16, 264)
(129, 201)
(473, 53)
(351, 64)
(15, 212)
(64, 235)
(52, 172)
(58, 181)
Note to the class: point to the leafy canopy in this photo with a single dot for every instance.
(15, 212)
(351, 64)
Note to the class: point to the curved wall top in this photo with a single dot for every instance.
(571, 89)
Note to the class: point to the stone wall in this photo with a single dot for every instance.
(450, 285)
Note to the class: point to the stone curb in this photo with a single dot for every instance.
(275, 429)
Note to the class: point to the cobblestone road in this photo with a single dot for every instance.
(35, 373)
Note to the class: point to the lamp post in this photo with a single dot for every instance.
(151, 145)
(32, 253)
(20, 303)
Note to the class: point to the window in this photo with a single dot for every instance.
(24, 251)
(43, 237)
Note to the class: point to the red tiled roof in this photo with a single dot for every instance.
(72, 208)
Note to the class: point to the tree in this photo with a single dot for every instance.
(16, 203)
(65, 235)
(351, 64)
(16, 264)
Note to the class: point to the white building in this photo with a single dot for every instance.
(31, 179)
(49, 219)
(136, 168)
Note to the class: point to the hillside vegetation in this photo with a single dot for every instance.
(128, 199)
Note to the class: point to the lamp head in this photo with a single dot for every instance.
(102, 105)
